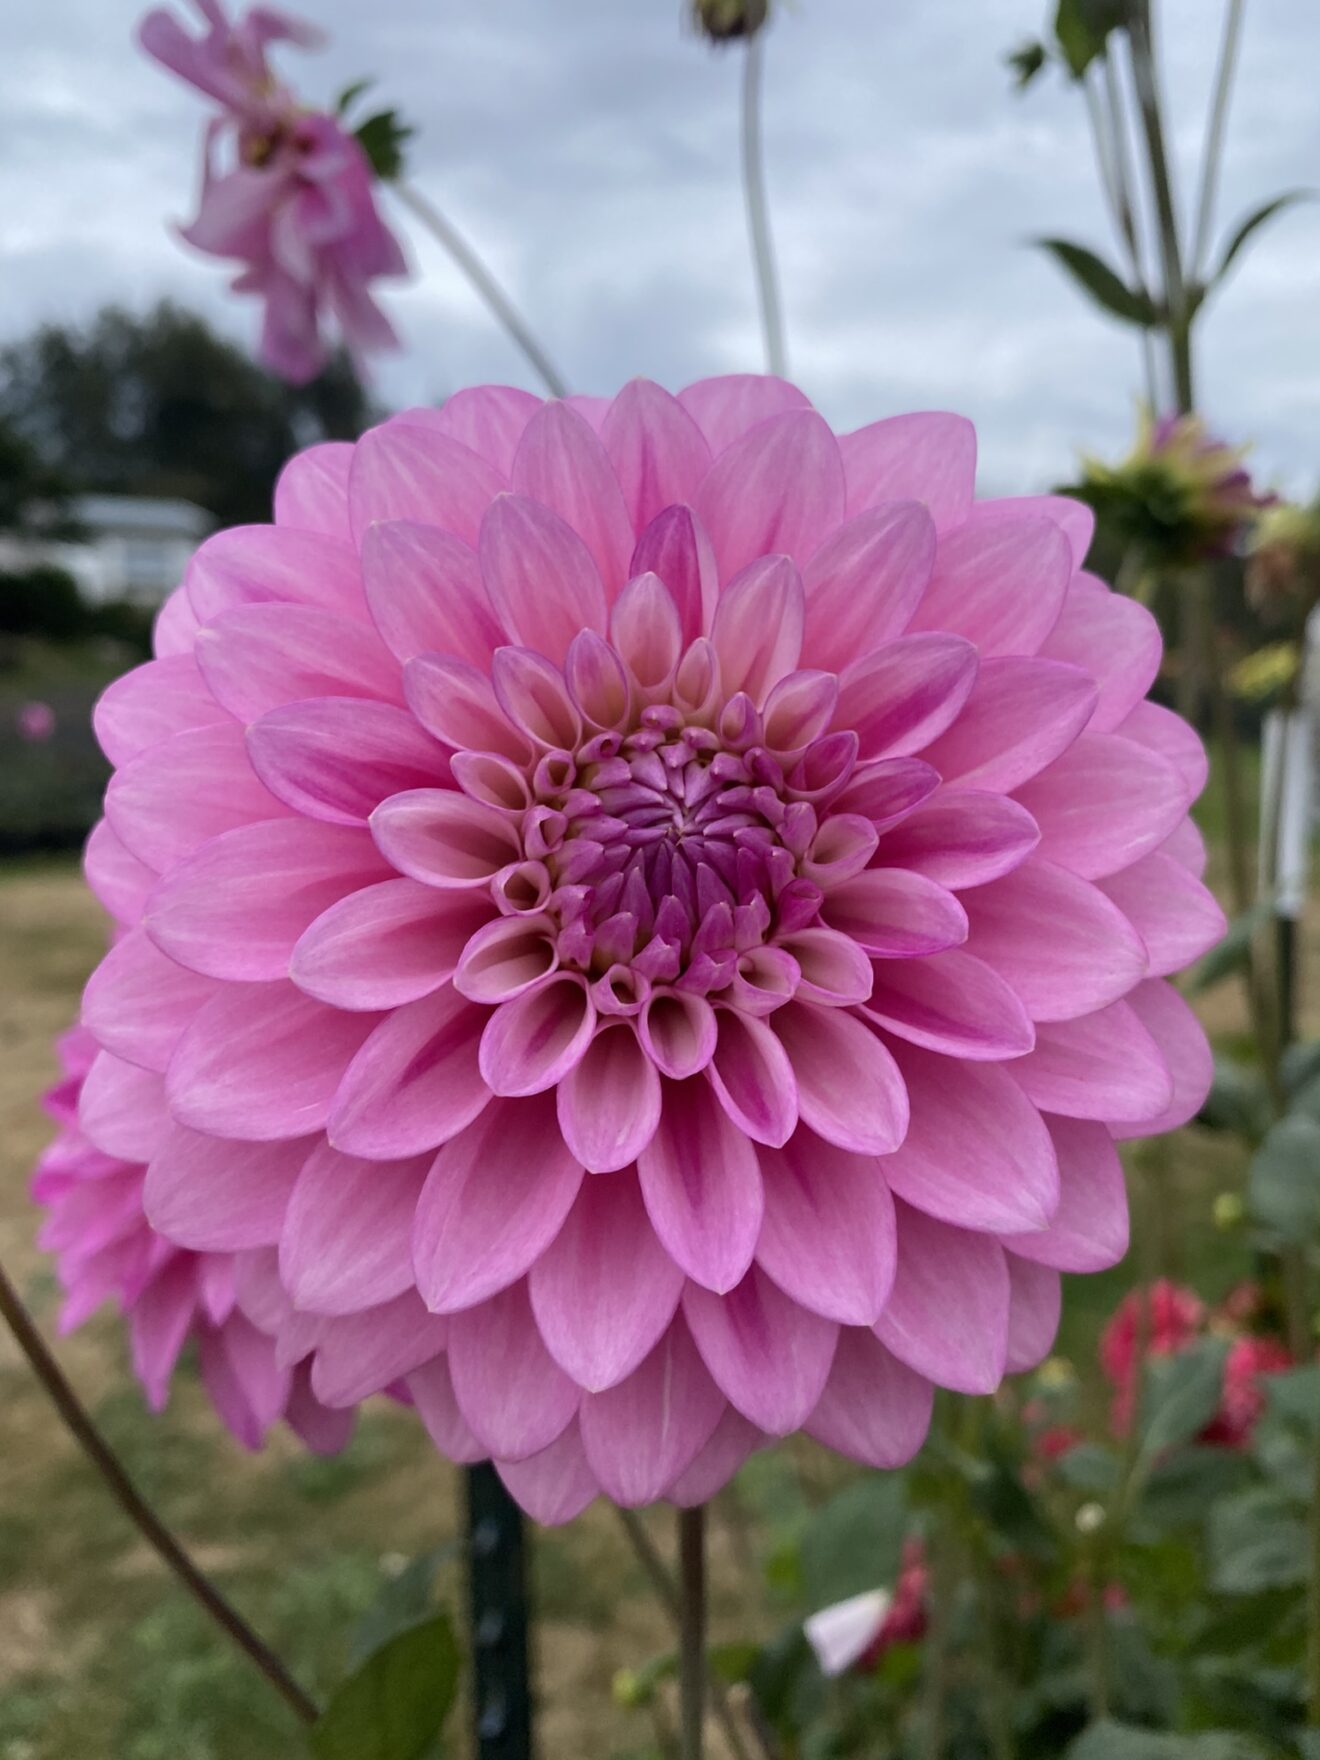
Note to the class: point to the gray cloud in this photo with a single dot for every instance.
(590, 149)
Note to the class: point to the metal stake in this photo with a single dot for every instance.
(497, 1595)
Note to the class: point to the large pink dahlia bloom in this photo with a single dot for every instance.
(651, 917)
(105, 1250)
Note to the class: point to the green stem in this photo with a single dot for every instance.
(1215, 132)
(758, 210)
(1097, 1643)
(502, 308)
(1178, 316)
(692, 1632)
(1313, 1603)
(138, 1511)
(936, 1648)
(1109, 135)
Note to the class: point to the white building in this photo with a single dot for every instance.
(136, 547)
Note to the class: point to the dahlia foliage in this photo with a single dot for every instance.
(640, 924)
(287, 192)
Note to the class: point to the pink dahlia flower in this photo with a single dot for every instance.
(652, 917)
(105, 1249)
(294, 205)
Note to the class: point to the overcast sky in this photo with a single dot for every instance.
(589, 149)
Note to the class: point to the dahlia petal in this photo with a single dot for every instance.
(176, 626)
(534, 697)
(725, 408)
(963, 837)
(1104, 1066)
(403, 471)
(976, 1152)
(1104, 804)
(675, 547)
(361, 1354)
(895, 913)
(947, 1316)
(1057, 940)
(642, 1435)
(122, 1108)
(490, 419)
(928, 457)
(1169, 736)
(1185, 844)
(886, 790)
(217, 1196)
(426, 594)
(951, 1002)
(159, 1324)
(1002, 585)
(346, 1243)
(338, 758)
(1089, 1230)
(432, 1391)
(1177, 918)
(150, 703)
(250, 565)
(541, 579)
(1020, 715)
(591, 408)
(413, 1083)
(495, 1198)
(799, 709)
(444, 839)
(849, 1088)
(311, 492)
(646, 631)
(902, 696)
(702, 1186)
(874, 1408)
(609, 1106)
(1115, 639)
(1183, 1047)
(115, 875)
(386, 944)
(505, 958)
(190, 787)
(237, 906)
(561, 465)
(714, 1465)
(777, 489)
(757, 631)
(532, 1043)
(1073, 518)
(260, 1062)
(457, 703)
(554, 1486)
(324, 1431)
(247, 1387)
(514, 1396)
(865, 582)
(137, 1002)
(769, 1357)
(833, 968)
(259, 657)
(679, 1033)
(753, 1078)
(1034, 1305)
(828, 1237)
(604, 1290)
(658, 452)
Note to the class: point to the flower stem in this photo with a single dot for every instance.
(758, 213)
(1177, 315)
(1214, 136)
(501, 306)
(1109, 137)
(144, 1518)
(1313, 1602)
(692, 1631)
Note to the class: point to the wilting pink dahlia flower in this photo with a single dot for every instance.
(651, 916)
(295, 207)
(105, 1249)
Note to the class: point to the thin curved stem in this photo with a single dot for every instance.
(1107, 137)
(138, 1511)
(1178, 320)
(1216, 129)
(450, 239)
(692, 1631)
(758, 212)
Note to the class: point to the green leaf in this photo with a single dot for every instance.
(394, 1706)
(1252, 224)
(382, 138)
(1308, 1743)
(1119, 1741)
(1283, 1187)
(1238, 1100)
(1180, 1397)
(350, 95)
(1299, 1064)
(854, 1541)
(1026, 62)
(405, 1600)
(1081, 27)
(1099, 281)
(1256, 1541)
(1232, 953)
(1293, 1396)
(1090, 1467)
(1185, 1484)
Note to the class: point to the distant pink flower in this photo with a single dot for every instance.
(35, 721)
(651, 917)
(858, 1633)
(294, 204)
(105, 1250)
(1243, 1398)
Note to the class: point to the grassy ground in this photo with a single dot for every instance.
(102, 1659)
